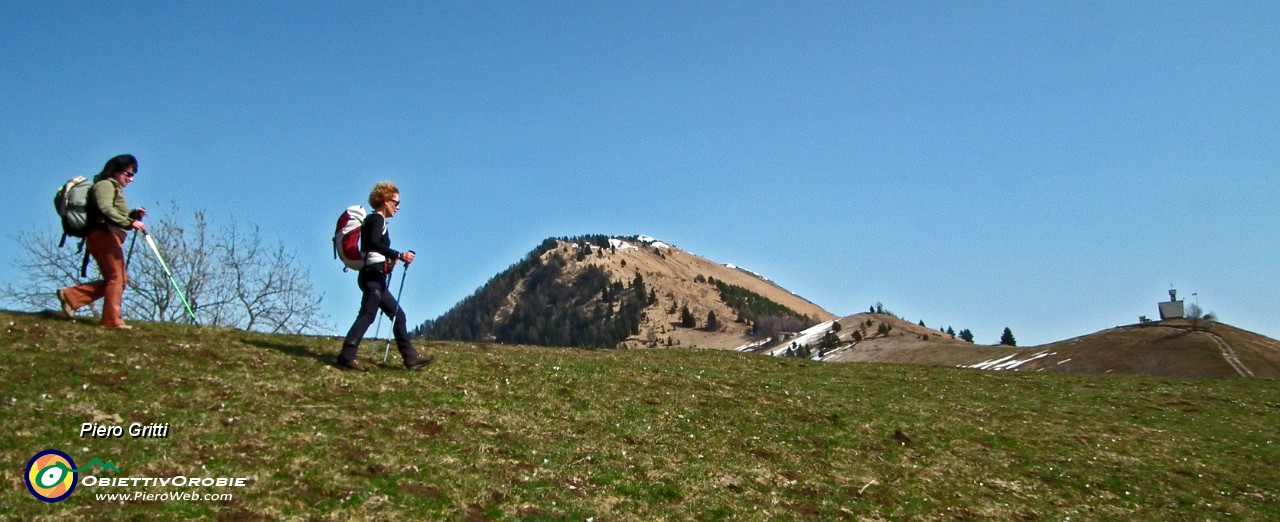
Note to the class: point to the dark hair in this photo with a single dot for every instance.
(117, 165)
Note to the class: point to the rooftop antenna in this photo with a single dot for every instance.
(1172, 309)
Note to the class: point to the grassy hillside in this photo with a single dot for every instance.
(507, 433)
(1167, 348)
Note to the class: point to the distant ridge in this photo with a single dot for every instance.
(1176, 348)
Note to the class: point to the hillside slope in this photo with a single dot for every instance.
(1168, 348)
(859, 336)
(583, 292)
(517, 433)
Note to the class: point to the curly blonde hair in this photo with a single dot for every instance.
(382, 192)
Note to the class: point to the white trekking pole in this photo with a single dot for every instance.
(167, 273)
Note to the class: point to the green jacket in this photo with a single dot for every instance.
(108, 209)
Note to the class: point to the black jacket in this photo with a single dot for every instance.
(374, 239)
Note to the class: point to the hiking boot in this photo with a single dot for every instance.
(67, 310)
(351, 365)
(418, 362)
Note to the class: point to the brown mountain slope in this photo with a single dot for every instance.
(677, 279)
(862, 340)
(1168, 348)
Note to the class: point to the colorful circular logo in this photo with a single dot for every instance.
(51, 475)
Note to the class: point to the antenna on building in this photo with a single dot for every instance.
(1172, 309)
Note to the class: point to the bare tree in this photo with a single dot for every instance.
(263, 289)
(1197, 314)
(44, 267)
(230, 276)
(1193, 311)
(189, 252)
(772, 325)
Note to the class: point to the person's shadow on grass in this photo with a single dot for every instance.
(292, 350)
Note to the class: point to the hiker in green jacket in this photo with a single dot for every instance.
(110, 220)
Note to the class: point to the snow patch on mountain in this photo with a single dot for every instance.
(736, 267)
(809, 337)
(1010, 362)
(755, 345)
(652, 241)
(622, 245)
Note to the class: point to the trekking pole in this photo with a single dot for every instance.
(378, 330)
(165, 266)
(387, 348)
(132, 242)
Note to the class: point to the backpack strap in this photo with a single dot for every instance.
(84, 264)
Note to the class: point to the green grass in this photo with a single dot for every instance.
(520, 433)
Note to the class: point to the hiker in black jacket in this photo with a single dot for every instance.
(380, 258)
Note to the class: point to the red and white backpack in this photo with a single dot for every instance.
(346, 237)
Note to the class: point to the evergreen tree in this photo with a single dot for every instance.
(686, 318)
(751, 306)
(966, 335)
(1007, 338)
(829, 342)
(713, 324)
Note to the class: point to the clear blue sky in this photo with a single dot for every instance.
(1048, 166)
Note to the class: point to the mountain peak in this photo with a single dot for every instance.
(622, 291)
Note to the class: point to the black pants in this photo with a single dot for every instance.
(376, 295)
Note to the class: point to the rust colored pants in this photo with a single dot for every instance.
(106, 249)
